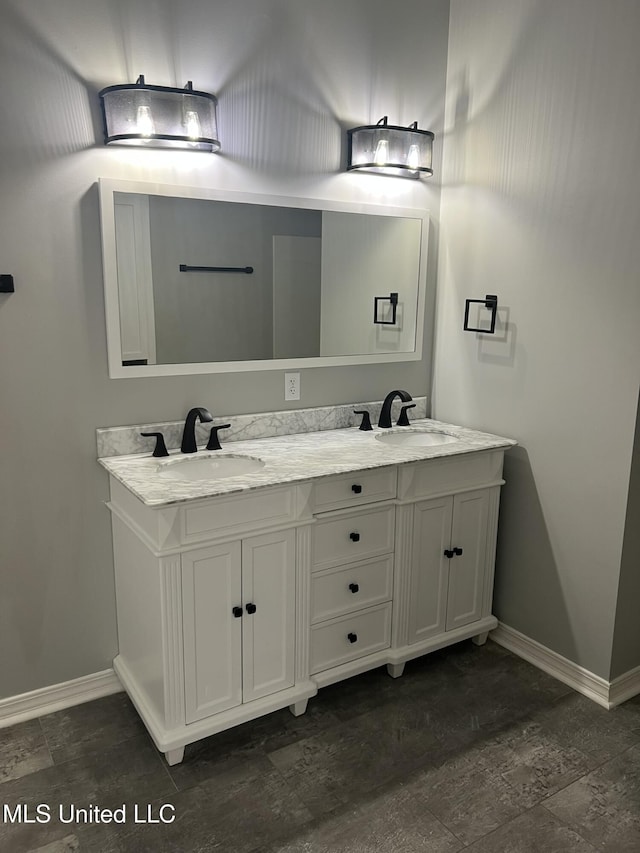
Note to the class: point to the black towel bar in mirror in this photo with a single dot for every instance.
(188, 268)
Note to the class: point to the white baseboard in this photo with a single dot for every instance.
(26, 706)
(605, 693)
(625, 686)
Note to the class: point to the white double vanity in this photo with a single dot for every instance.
(334, 552)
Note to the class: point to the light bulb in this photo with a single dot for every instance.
(145, 123)
(413, 157)
(381, 156)
(192, 123)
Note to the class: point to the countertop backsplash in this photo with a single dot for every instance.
(126, 440)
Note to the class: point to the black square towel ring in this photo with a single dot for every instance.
(379, 311)
(490, 302)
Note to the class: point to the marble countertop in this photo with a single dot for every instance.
(292, 458)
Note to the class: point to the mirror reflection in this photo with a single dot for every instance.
(207, 283)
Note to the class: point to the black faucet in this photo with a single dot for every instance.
(385, 411)
(189, 433)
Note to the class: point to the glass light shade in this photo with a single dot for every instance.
(159, 116)
(388, 149)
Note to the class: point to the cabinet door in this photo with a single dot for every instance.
(268, 631)
(211, 588)
(467, 571)
(429, 568)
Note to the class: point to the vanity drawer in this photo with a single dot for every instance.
(361, 487)
(348, 537)
(341, 590)
(350, 637)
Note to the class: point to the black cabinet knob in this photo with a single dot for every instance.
(355, 537)
(237, 612)
(356, 489)
(251, 608)
(455, 552)
(354, 587)
(353, 638)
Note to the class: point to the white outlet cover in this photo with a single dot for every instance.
(292, 386)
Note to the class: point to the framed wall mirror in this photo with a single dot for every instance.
(205, 281)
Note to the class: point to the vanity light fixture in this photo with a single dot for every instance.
(388, 149)
(159, 116)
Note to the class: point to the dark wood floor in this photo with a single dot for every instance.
(472, 749)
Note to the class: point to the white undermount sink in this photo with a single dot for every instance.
(208, 467)
(416, 438)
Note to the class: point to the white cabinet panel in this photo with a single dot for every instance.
(268, 583)
(212, 634)
(429, 568)
(467, 570)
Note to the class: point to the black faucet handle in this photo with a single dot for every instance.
(403, 420)
(161, 448)
(366, 419)
(214, 441)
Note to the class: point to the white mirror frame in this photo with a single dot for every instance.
(107, 188)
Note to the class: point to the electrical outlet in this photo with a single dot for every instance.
(292, 386)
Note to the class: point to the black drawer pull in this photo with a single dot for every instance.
(355, 537)
(354, 587)
(457, 551)
(251, 608)
(356, 489)
(353, 638)
(448, 554)
(237, 612)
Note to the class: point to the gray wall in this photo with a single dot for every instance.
(291, 75)
(540, 207)
(626, 639)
